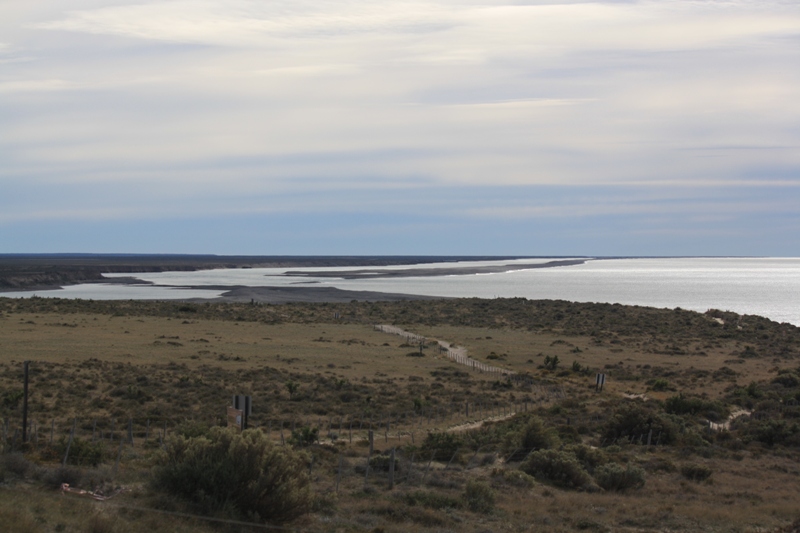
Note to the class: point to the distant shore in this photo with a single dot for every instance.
(28, 272)
(430, 272)
(306, 294)
(45, 272)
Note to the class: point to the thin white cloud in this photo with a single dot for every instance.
(609, 207)
(35, 85)
(237, 23)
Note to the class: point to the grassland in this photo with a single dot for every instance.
(108, 366)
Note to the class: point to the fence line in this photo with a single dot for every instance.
(140, 432)
(458, 356)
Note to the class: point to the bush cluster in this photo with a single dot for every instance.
(560, 468)
(636, 420)
(532, 435)
(479, 497)
(696, 472)
(440, 446)
(615, 477)
(686, 405)
(240, 473)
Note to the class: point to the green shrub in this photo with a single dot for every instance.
(590, 458)
(695, 472)
(431, 500)
(772, 432)
(684, 405)
(442, 446)
(514, 478)
(557, 467)
(787, 379)
(63, 474)
(240, 472)
(637, 420)
(81, 452)
(534, 435)
(304, 436)
(14, 463)
(660, 385)
(613, 476)
(551, 363)
(381, 463)
(479, 497)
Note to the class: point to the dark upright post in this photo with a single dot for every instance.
(25, 403)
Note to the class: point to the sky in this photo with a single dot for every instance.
(538, 127)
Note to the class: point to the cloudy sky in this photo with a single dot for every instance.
(538, 127)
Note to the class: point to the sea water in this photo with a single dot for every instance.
(768, 287)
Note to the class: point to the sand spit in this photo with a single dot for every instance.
(373, 273)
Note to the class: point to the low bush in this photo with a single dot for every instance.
(431, 500)
(615, 477)
(514, 478)
(557, 467)
(687, 405)
(590, 458)
(81, 452)
(533, 435)
(479, 497)
(304, 436)
(635, 420)
(238, 473)
(15, 464)
(440, 446)
(382, 462)
(696, 472)
(771, 432)
(63, 474)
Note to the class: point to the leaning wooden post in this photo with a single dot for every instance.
(424, 474)
(119, 456)
(391, 470)
(25, 402)
(339, 473)
(371, 442)
(69, 444)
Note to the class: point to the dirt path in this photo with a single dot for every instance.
(456, 354)
(713, 426)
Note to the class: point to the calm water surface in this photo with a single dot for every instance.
(763, 286)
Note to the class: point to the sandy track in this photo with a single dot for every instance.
(456, 354)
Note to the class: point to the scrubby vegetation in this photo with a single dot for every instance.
(699, 412)
(245, 474)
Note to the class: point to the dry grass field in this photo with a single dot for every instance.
(119, 369)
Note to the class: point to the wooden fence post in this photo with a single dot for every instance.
(391, 470)
(339, 473)
(69, 444)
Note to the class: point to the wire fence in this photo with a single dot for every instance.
(402, 426)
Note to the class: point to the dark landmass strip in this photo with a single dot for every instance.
(428, 272)
(52, 271)
(281, 295)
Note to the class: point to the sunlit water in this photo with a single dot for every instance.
(762, 286)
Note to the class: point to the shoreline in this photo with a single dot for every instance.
(429, 272)
(281, 295)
